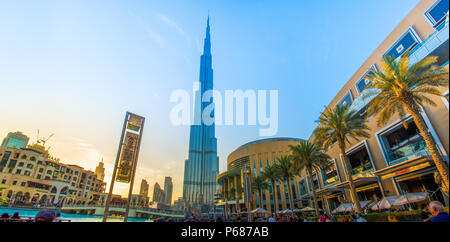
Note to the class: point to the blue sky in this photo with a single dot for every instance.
(74, 67)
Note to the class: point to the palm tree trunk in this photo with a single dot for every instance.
(353, 194)
(275, 195)
(291, 200)
(316, 205)
(440, 163)
(261, 198)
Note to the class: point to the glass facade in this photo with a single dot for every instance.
(407, 41)
(302, 187)
(401, 144)
(436, 13)
(359, 160)
(347, 100)
(201, 168)
(330, 174)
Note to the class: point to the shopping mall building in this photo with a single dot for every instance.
(394, 160)
(254, 157)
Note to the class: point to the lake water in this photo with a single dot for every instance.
(73, 217)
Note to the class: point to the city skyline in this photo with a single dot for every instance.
(71, 72)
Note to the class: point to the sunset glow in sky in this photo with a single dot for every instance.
(73, 68)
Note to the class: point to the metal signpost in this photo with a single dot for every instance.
(127, 157)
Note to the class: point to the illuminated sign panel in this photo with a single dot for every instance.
(127, 158)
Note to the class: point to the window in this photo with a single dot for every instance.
(359, 160)
(20, 164)
(4, 159)
(347, 99)
(14, 183)
(4, 181)
(436, 14)
(408, 40)
(363, 82)
(23, 184)
(41, 170)
(302, 187)
(49, 172)
(401, 144)
(30, 166)
(38, 176)
(33, 158)
(27, 173)
(18, 171)
(330, 174)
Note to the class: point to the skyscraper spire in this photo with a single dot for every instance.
(207, 45)
(202, 166)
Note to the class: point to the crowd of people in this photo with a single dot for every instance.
(433, 212)
(42, 216)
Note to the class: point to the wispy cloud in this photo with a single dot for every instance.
(171, 23)
(154, 36)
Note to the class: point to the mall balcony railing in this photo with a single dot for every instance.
(422, 50)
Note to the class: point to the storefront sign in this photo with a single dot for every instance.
(406, 170)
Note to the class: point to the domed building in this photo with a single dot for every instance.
(253, 158)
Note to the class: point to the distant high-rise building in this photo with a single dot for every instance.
(158, 194)
(15, 139)
(201, 168)
(144, 188)
(100, 171)
(168, 187)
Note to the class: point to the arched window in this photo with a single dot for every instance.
(54, 190)
(64, 190)
(33, 158)
(24, 156)
(26, 197)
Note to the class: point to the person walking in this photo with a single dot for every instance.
(359, 218)
(436, 208)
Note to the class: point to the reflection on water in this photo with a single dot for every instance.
(73, 217)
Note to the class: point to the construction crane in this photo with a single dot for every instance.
(42, 140)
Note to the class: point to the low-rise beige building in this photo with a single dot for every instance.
(30, 175)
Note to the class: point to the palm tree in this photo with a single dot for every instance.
(232, 195)
(308, 156)
(238, 198)
(258, 184)
(338, 125)
(271, 174)
(285, 172)
(401, 88)
(225, 196)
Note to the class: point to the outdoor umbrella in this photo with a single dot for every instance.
(296, 210)
(287, 211)
(260, 210)
(387, 203)
(411, 198)
(307, 209)
(363, 204)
